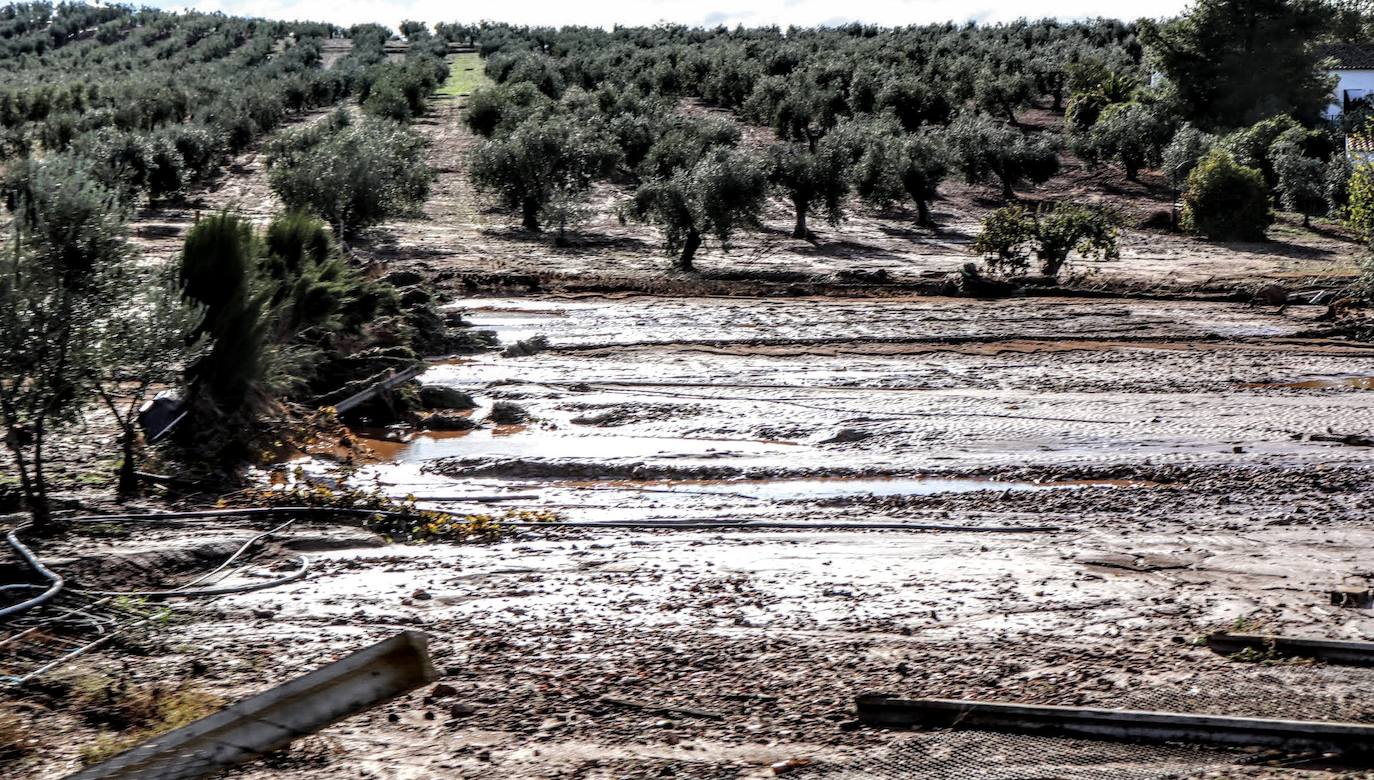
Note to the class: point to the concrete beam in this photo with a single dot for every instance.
(1330, 650)
(1351, 740)
(271, 720)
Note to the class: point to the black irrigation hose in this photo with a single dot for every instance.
(55, 581)
(184, 589)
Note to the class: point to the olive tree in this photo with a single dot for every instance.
(60, 274)
(148, 344)
(351, 174)
(1189, 145)
(543, 165)
(1302, 184)
(716, 195)
(985, 148)
(1133, 135)
(896, 166)
(812, 180)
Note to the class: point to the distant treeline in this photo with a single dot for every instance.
(153, 100)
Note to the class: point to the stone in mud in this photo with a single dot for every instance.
(507, 413)
(416, 296)
(530, 346)
(1271, 295)
(443, 397)
(444, 421)
(403, 278)
(845, 435)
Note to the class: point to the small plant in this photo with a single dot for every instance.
(1226, 201)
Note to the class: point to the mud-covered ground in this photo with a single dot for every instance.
(1105, 481)
(1170, 457)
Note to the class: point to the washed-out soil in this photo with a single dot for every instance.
(1116, 477)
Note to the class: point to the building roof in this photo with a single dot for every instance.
(1349, 56)
(1358, 143)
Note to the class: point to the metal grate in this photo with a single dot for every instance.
(977, 755)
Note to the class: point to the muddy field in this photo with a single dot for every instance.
(1102, 482)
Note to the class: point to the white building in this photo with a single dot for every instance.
(1354, 71)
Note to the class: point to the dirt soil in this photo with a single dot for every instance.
(1114, 478)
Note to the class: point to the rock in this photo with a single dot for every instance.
(443, 691)
(530, 346)
(845, 435)
(421, 595)
(444, 397)
(507, 413)
(416, 296)
(445, 421)
(1271, 294)
(403, 278)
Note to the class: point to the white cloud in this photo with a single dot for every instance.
(647, 12)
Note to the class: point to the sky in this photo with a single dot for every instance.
(751, 13)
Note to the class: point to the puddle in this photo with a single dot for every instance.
(1322, 383)
(515, 441)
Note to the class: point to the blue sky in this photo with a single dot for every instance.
(696, 12)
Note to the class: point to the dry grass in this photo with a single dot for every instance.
(16, 738)
(131, 713)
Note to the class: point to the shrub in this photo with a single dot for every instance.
(1302, 184)
(1360, 213)
(1011, 235)
(1225, 200)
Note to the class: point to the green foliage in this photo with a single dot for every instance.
(715, 195)
(1232, 62)
(1360, 213)
(1337, 182)
(153, 99)
(1183, 152)
(1302, 183)
(812, 180)
(1253, 146)
(228, 384)
(1225, 200)
(896, 166)
(1132, 135)
(1096, 91)
(543, 162)
(62, 270)
(353, 175)
(984, 148)
(502, 107)
(1011, 235)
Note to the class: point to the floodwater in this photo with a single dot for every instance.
(711, 408)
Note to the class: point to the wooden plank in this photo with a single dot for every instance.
(1352, 740)
(272, 719)
(1334, 651)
